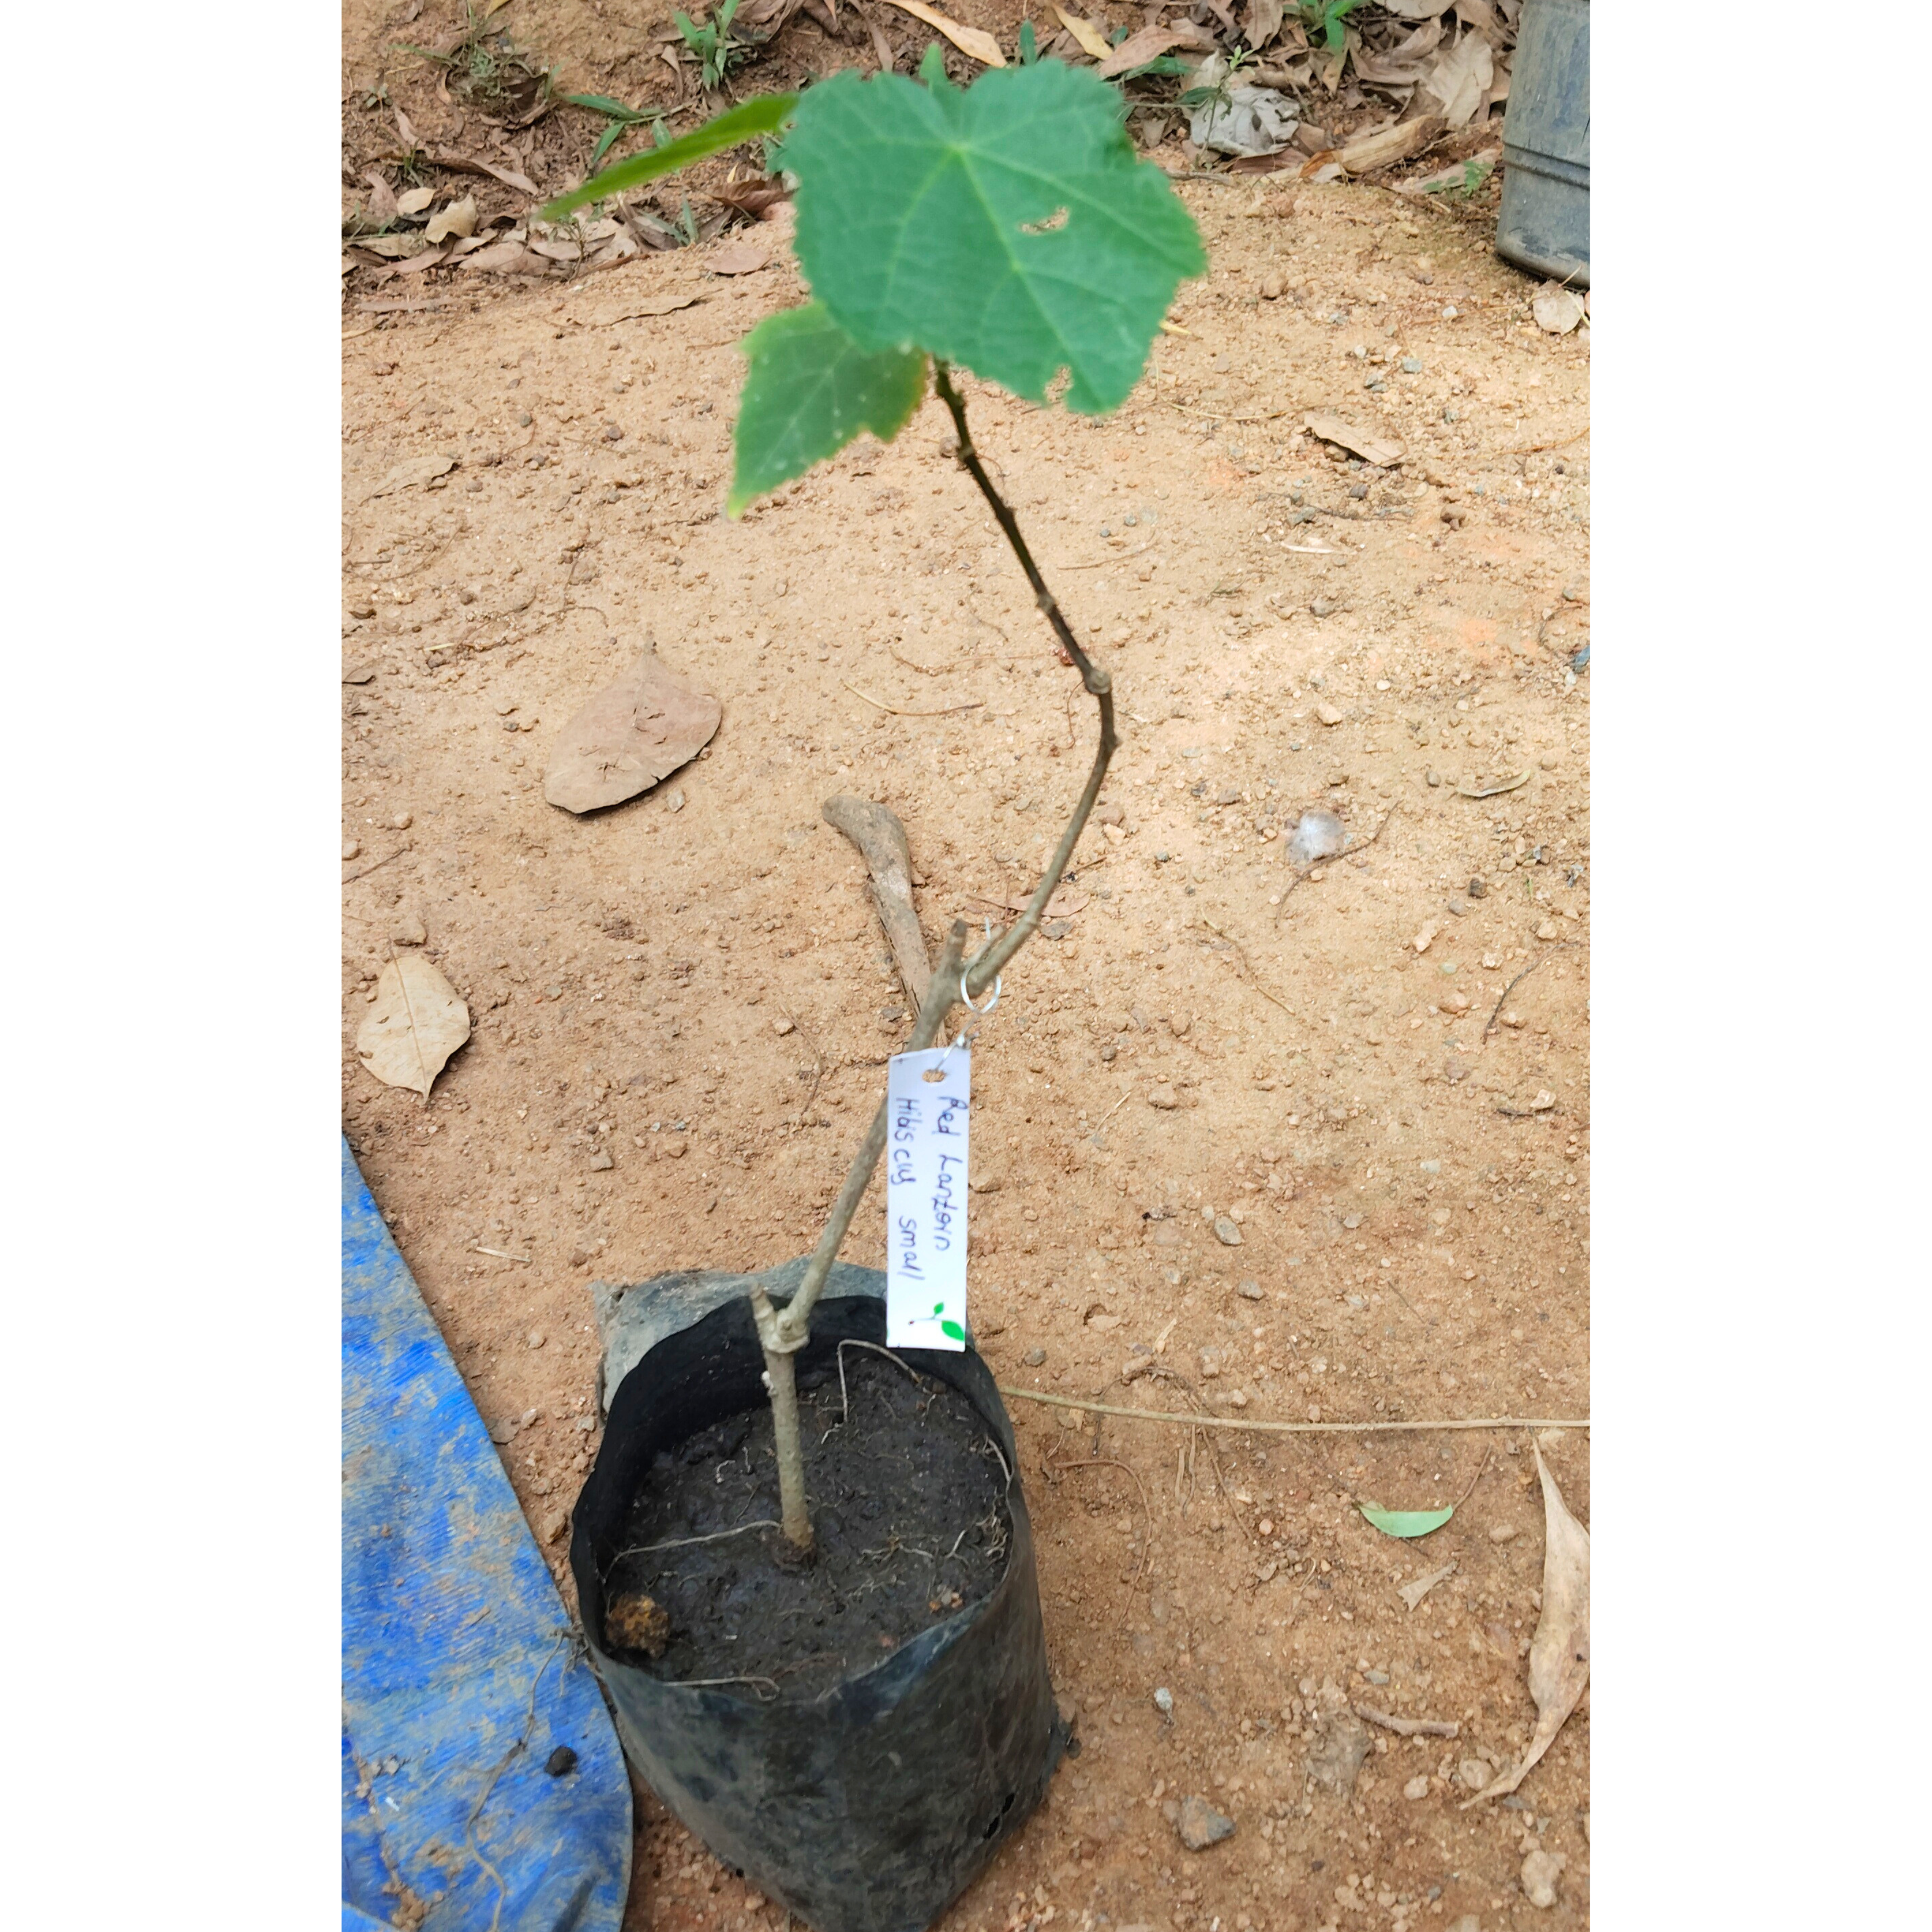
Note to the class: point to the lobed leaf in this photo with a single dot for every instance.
(764, 115)
(1009, 226)
(809, 390)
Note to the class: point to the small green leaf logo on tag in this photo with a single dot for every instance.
(947, 1327)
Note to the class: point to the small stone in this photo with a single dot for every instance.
(1225, 1232)
(1539, 1873)
(1163, 1701)
(1424, 939)
(1547, 930)
(1410, 367)
(1432, 776)
(1271, 288)
(351, 848)
(1505, 1532)
(783, 1027)
(1478, 888)
(1336, 1760)
(561, 1762)
(1164, 1098)
(1469, 1922)
(1475, 1773)
(1249, 1290)
(601, 1161)
(1323, 607)
(1178, 1024)
(362, 607)
(402, 821)
(1416, 1787)
(410, 930)
(582, 1257)
(1200, 1825)
(674, 801)
(1328, 714)
(555, 1524)
(1033, 1357)
(1317, 835)
(535, 1338)
(359, 673)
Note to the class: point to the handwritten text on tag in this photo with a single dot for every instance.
(926, 1122)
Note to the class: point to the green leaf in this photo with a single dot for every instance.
(932, 67)
(602, 103)
(953, 1329)
(1405, 1522)
(764, 115)
(606, 140)
(1008, 226)
(1029, 44)
(810, 390)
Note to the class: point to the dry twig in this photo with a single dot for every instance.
(1567, 946)
(1204, 1420)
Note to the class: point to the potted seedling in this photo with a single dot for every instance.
(803, 1558)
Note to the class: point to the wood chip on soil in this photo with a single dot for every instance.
(419, 1020)
(632, 734)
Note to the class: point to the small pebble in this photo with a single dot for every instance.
(1432, 776)
(1478, 888)
(1547, 930)
(783, 1027)
(1225, 1232)
(1271, 288)
(1539, 1873)
(1317, 835)
(1163, 1701)
(601, 1161)
(1503, 1532)
(410, 930)
(1200, 1825)
(1249, 1290)
(1474, 1772)
(1033, 1357)
(1416, 1787)
(536, 1338)
(561, 1762)
(1410, 367)
(351, 848)
(402, 821)
(362, 607)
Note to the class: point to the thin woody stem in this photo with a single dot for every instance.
(782, 1334)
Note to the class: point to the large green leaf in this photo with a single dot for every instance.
(745, 122)
(1008, 226)
(810, 390)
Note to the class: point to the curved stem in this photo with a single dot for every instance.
(782, 1334)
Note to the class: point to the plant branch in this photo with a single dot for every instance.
(782, 1334)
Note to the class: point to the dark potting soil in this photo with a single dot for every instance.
(907, 1495)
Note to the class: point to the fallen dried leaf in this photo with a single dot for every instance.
(1559, 1654)
(507, 258)
(382, 209)
(509, 177)
(457, 219)
(739, 258)
(632, 734)
(1460, 79)
(415, 200)
(1392, 145)
(971, 41)
(1360, 442)
(1092, 42)
(1412, 1593)
(418, 1021)
(412, 474)
(1150, 43)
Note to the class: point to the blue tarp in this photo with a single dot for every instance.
(461, 1673)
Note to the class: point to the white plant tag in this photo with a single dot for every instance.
(926, 1197)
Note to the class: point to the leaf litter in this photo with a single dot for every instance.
(635, 731)
(418, 1021)
(1559, 1654)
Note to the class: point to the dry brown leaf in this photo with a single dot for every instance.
(458, 219)
(1559, 1654)
(507, 258)
(382, 209)
(970, 41)
(418, 1021)
(414, 200)
(1150, 43)
(474, 164)
(1370, 448)
(417, 265)
(412, 473)
(739, 258)
(1392, 145)
(1413, 1593)
(632, 734)
(392, 247)
(1405, 62)
(1092, 42)
(1416, 10)
(1261, 23)
(1460, 79)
